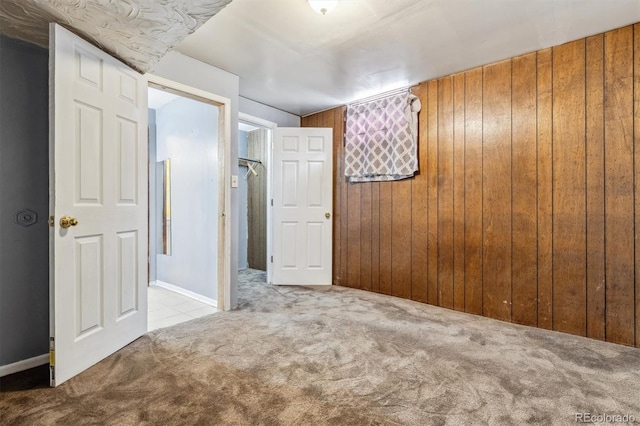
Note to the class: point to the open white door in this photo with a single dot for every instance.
(98, 161)
(302, 191)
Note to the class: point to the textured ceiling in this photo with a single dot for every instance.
(138, 32)
(289, 57)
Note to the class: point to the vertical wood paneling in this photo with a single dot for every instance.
(354, 244)
(524, 238)
(401, 238)
(473, 192)
(327, 119)
(312, 120)
(337, 191)
(595, 187)
(445, 192)
(375, 236)
(365, 236)
(636, 126)
(432, 192)
(419, 207)
(569, 195)
(496, 192)
(338, 119)
(526, 203)
(257, 203)
(458, 192)
(545, 189)
(384, 197)
(619, 201)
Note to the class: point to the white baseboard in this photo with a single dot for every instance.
(184, 292)
(25, 364)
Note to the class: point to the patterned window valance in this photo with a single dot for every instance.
(381, 139)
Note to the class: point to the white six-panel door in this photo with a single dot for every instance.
(98, 155)
(302, 193)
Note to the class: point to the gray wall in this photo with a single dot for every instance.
(243, 236)
(153, 222)
(187, 133)
(24, 183)
(183, 69)
(281, 118)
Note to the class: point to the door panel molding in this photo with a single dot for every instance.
(302, 206)
(98, 285)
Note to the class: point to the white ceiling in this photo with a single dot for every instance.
(289, 57)
(138, 32)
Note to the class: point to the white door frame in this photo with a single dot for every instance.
(250, 119)
(224, 176)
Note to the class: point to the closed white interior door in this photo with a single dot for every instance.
(98, 161)
(302, 192)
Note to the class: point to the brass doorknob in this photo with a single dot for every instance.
(327, 215)
(67, 222)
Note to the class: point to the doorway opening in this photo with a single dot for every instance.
(254, 140)
(187, 200)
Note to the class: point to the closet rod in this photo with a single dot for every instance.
(249, 160)
(380, 96)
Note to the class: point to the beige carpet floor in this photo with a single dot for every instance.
(300, 356)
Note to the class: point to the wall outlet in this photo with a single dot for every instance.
(234, 181)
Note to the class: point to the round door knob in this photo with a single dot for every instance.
(67, 222)
(327, 215)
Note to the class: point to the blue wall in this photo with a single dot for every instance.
(243, 225)
(187, 133)
(183, 69)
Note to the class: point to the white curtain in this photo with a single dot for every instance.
(381, 139)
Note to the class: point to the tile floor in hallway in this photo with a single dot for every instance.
(167, 308)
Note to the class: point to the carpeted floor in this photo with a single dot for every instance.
(300, 356)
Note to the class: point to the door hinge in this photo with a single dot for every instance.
(271, 259)
(52, 351)
(52, 361)
(52, 221)
(272, 202)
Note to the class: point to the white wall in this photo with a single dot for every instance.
(187, 133)
(243, 226)
(183, 69)
(281, 118)
(153, 223)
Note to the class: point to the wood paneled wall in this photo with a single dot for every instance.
(257, 202)
(527, 200)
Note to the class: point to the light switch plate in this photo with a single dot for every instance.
(234, 181)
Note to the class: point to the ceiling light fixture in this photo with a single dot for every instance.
(323, 6)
